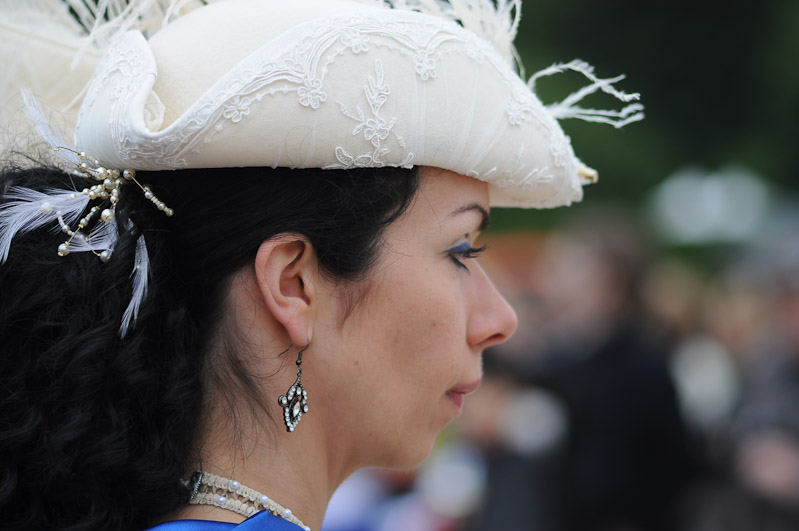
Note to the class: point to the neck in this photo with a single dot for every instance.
(299, 470)
(294, 469)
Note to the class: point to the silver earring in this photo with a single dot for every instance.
(295, 401)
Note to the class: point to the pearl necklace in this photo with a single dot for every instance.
(210, 489)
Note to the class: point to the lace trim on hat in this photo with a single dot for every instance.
(375, 129)
(301, 70)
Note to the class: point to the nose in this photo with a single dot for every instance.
(492, 319)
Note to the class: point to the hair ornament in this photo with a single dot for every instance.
(107, 191)
(141, 277)
(95, 231)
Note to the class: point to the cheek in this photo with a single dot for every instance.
(426, 326)
(409, 330)
(427, 333)
(405, 346)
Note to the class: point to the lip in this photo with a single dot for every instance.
(457, 393)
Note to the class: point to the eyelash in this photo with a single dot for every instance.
(464, 252)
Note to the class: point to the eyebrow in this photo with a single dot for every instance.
(478, 208)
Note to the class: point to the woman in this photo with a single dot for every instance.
(195, 343)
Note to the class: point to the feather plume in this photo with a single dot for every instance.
(496, 21)
(141, 278)
(93, 25)
(568, 108)
(27, 210)
(41, 125)
(52, 47)
(618, 119)
(110, 18)
(102, 238)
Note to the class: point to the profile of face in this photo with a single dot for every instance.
(390, 356)
(387, 377)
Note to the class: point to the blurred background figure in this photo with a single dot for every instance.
(766, 428)
(622, 455)
(754, 313)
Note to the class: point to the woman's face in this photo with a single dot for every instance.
(389, 378)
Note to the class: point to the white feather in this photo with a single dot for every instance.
(102, 238)
(113, 17)
(41, 125)
(29, 209)
(568, 108)
(618, 119)
(496, 21)
(94, 26)
(141, 278)
(34, 28)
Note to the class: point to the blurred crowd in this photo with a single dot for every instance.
(643, 391)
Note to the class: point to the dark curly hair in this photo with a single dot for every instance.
(96, 431)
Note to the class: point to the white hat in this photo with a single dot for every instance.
(337, 84)
(299, 83)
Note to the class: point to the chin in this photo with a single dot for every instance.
(409, 454)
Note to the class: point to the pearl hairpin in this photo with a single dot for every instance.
(108, 190)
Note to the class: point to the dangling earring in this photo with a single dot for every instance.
(295, 401)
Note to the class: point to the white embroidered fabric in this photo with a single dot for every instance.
(339, 84)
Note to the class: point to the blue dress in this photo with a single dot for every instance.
(262, 521)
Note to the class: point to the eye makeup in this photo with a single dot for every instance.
(463, 250)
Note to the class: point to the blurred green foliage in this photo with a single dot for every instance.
(719, 79)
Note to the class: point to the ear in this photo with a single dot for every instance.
(286, 271)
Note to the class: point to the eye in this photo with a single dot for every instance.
(463, 251)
